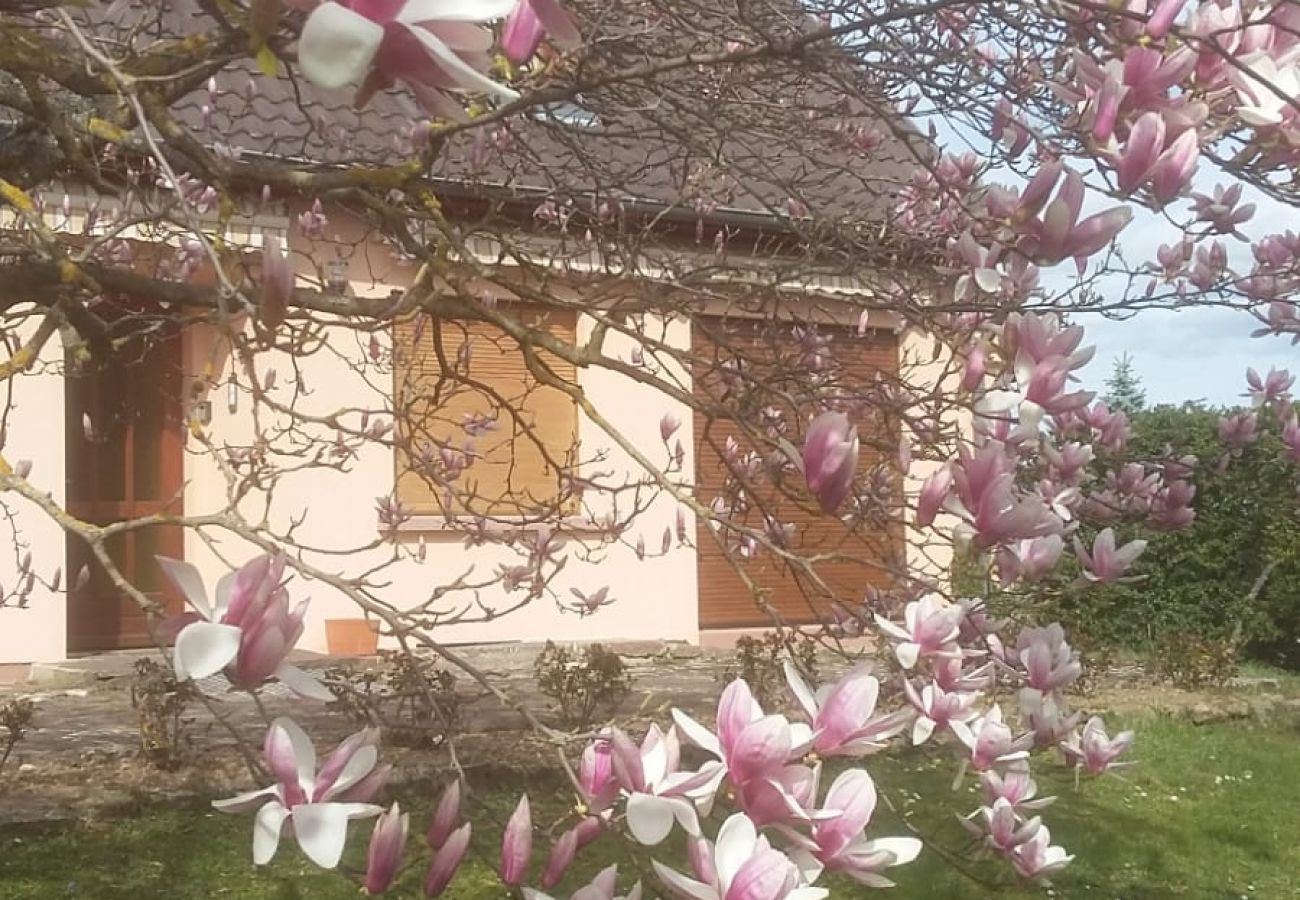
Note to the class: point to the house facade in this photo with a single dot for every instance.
(168, 429)
(145, 439)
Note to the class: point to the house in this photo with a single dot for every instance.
(690, 256)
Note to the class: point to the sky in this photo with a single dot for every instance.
(1196, 353)
(1190, 354)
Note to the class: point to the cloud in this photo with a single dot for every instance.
(1189, 354)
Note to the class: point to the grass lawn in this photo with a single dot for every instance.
(1209, 812)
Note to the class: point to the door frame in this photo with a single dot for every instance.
(161, 368)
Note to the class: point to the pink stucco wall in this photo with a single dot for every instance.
(34, 431)
(655, 598)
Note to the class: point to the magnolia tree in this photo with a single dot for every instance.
(782, 178)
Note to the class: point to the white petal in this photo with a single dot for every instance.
(921, 730)
(892, 629)
(322, 831)
(908, 653)
(654, 763)
(696, 733)
(650, 818)
(204, 648)
(245, 802)
(736, 840)
(688, 887)
(455, 10)
(802, 693)
(304, 753)
(221, 600)
(361, 763)
(302, 684)
(989, 280)
(267, 827)
(1259, 117)
(808, 893)
(188, 579)
(802, 738)
(466, 75)
(337, 46)
(684, 812)
(903, 849)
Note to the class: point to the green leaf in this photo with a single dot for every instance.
(267, 61)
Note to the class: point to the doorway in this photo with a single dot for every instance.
(125, 444)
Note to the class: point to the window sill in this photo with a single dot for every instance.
(458, 528)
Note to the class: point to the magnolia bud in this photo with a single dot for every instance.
(386, 844)
(517, 844)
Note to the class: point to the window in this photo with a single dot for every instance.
(478, 433)
(567, 113)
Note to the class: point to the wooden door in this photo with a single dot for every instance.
(125, 443)
(856, 556)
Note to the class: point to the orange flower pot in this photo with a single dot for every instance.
(351, 637)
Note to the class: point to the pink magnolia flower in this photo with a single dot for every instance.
(933, 494)
(1029, 560)
(658, 794)
(1267, 89)
(1049, 663)
(930, 628)
(248, 633)
(1037, 858)
(1095, 751)
(602, 887)
(432, 46)
(446, 861)
(991, 742)
(1106, 563)
(1001, 828)
(1221, 210)
(937, 709)
(529, 22)
(1148, 158)
(830, 459)
(517, 844)
(315, 805)
(747, 868)
(841, 713)
(596, 775)
(1291, 438)
(386, 845)
(839, 843)
(1046, 717)
(668, 425)
(1015, 786)
(785, 795)
(1270, 388)
(1238, 431)
(974, 369)
(1059, 234)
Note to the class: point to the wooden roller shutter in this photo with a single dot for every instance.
(517, 466)
(772, 357)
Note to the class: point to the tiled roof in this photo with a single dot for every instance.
(746, 139)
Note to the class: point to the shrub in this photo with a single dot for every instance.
(759, 662)
(409, 696)
(587, 686)
(15, 718)
(1233, 576)
(1195, 661)
(160, 703)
